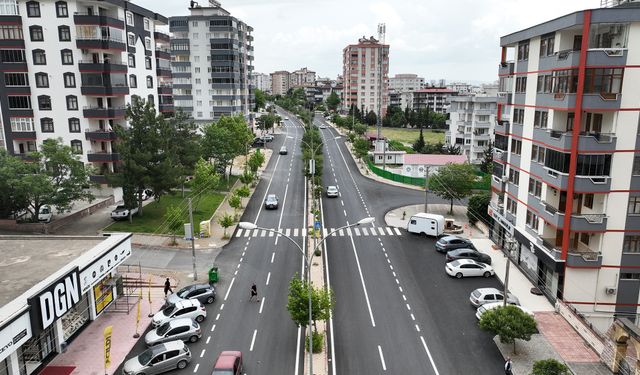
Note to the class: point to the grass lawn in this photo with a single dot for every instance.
(409, 135)
(154, 214)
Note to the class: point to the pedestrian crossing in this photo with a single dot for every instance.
(333, 232)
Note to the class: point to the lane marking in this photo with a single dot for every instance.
(213, 328)
(239, 232)
(228, 290)
(273, 255)
(426, 348)
(202, 353)
(253, 340)
(364, 287)
(217, 316)
(208, 339)
(397, 231)
(195, 369)
(413, 317)
(384, 365)
(408, 307)
(417, 328)
(261, 305)
(284, 202)
(221, 307)
(268, 277)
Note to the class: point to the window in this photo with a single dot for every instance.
(194, 23)
(19, 102)
(16, 79)
(523, 51)
(44, 102)
(197, 70)
(74, 125)
(33, 9)
(76, 146)
(133, 81)
(64, 33)
(151, 99)
(588, 200)
(132, 60)
(62, 11)
(146, 24)
(603, 80)
(39, 57)
(12, 55)
(540, 119)
(516, 146)
(129, 18)
(535, 187)
(521, 84)
(518, 116)
(514, 176)
(546, 44)
(36, 33)
(537, 153)
(46, 124)
(629, 276)
(634, 206)
(42, 80)
(149, 82)
(512, 206)
(636, 166)
(631, 244)
(11, 32)
(131, 39)
(532, 220)
(69, 80)
(545, 83)
(147, 44)
(565, 81)
(72, 103)
(584, 238)
(147, 63)
(67, 57)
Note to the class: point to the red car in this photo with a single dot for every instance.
(228, 363)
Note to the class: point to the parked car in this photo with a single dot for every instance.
(146, 194)
(283, 150)
(258, 142)
(449, 243)
(158, 359)
(468, 268)
(228, 363)
(188, 308)
(45, 214)
(205, 293)
(183, 329)
(122, 212)
(267, 137)
(490, 306)
(481, 296)
(468, 254)
(332, 191)
(271, 202)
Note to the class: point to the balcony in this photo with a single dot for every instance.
(100, 136)
(103, 157)
(90, 66)
(560, 60)
(163, 53)
(560, 181)
(500, 156)
(105, 90)
(100, 43)
(576, 257)
(23, 136)
(607, 101)
(607, 57)
(579, 222)
(557, 100)
(502, 127)
(481, 136)
(98, 20)
(591, 142)
(163, 72)
(506, 68)
(166, 108)
(157, 35)
(104, 113)
(165, 90)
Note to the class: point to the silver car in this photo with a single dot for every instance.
(183, 329)
(188, 308)
(204, 293)
(158, 359)
(332, 191)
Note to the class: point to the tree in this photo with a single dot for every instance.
(255, 161)
(419, 144)
(322, 302)
(549, 367)
(477, 208)
(174, 216)
(236, 203)
(452, 150)
(453, 181)
(361, 147)
(266, 122)
(360, 129)
(371, 118)
(509, 323)
(186, 142)
(205, 180)
(487, 159)
(260, 99)
(243, 191)
(226, 139)
(333, 101)
(225, 221)
(13, 197)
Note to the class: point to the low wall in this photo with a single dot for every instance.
(590, 336)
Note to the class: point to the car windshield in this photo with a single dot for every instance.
(169, 310)
(145, 356)
(44, 210)
(182, 293)
(162, 330)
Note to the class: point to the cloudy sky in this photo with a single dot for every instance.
(450, 39)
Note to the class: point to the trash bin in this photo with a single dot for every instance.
(213, 275)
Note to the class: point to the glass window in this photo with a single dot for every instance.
(532, 220)
(13, 32)
(74, 125)
(19, 102)
(147, 63)
(523, 51)
(36, 33)
(634, 206)
(61, 9)
(131, 39)
(147, 24)
(133, 81)
(546, 44)
(631, 244)
(72, 103)
(147, 44)
(44, 102)
(588, 200)
(67, 57)
(47, 125)
(149, 82)
(39, 57)
(69, 80)
(516, 146)
(64, 33)
(42, 80)
(132, 60)
(16, 79)
(76, 146)
(514, 176)
(33, 9)
(129, 17)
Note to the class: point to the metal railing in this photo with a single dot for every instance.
(98, 15)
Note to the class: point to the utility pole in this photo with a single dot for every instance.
(426, 189)
(193, 246)
(510, 245)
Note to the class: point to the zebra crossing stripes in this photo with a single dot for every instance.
(334, 232)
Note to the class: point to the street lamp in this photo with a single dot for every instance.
(307, 262)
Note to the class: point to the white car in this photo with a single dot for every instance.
(45, 214)
(323, 126)
(286, 118)
(332, 191)
(481, 296)
(188, 308)
(460, 268)
(490, 306)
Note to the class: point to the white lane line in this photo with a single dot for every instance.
(397, 231)
(239, 232)
(357, 231)
(389, 231)
(268, 277)
(238, 265)
(241, 258)
(213, 328)
(263, 233)
(364, 231)
(364, 287)
(195, 369)
(275, 167)
(417, 328)
(253, 340)
(404, 298)
(345, 213)
(217, 316)
(341, 232)
(401, 291)
(202, 353)
(270, 234)
(208, 339)
(426, 348)
(247, 233)
(341, 201)
(287, 232)
(295, 232)
(408, 307)
(273, 255)
(222, 307)
(261, 305)
(413, 317)
(228, 290)
(235, 273)
(384, 365)
(381, 230)
(284, 202)
(255, 232)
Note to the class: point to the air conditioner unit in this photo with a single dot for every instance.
(611, 290)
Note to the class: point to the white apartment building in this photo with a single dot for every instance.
(261, 81)
(302, 77)
(405, 82)
(471, 125)
(436, 98)
(280, 83)
(69, 68)
(361, 72)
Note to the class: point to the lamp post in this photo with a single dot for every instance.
(307, 262)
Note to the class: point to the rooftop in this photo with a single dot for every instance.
(437, 90)
(434, 159)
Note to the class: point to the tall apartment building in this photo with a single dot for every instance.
(471, 125)
(405, 82)
(280, 82)
(212, 56)
(436, 98)
(361, 72)
(261, 81)
(566, 184)
(302, 78)
(69, 68)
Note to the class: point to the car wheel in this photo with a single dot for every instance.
(487, 274)
(210, 299)
(193, 338)
(199, 318)
(182, 364)
(459, 275)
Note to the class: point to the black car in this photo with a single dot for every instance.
(258, 142)
(468, 254)
(271, 202)
(449, 243)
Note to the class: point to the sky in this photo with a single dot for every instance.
(456, 40)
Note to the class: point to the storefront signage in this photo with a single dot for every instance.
(13, 335)
(501, 220)
(53, 302)
(96, 271)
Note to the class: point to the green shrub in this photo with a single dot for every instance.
(317, 339)
(548, 367)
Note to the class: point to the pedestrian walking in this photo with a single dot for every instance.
(507, 366)
(167, 287)
(254, 292)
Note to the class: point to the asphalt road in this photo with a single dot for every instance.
(396, 309)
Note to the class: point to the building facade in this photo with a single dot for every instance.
(471, 125)
(405, 82)
(212, 59)
(566, 179)
(280, 83)
(100, 56)
(436, 98)
(302, 78)
(361, 74)
(261, 81)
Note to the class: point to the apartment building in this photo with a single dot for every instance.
(436, 98)
(211, 61)
(69, 68)
(302, 78)
(280, 82)
(405, 82)
(261, 81)
(361, 72)
(471, 125)
(566, 180)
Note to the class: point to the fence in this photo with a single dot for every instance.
(483, 184)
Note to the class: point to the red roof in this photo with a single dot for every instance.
(434, 159)
(437, 90)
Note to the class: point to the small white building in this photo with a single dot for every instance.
(415, 165)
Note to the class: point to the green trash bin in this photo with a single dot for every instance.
(213, 275)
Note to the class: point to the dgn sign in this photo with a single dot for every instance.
(56, 300)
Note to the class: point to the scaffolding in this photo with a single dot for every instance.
(614, 3)
(128, 282)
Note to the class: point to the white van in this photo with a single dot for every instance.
(427, 224)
